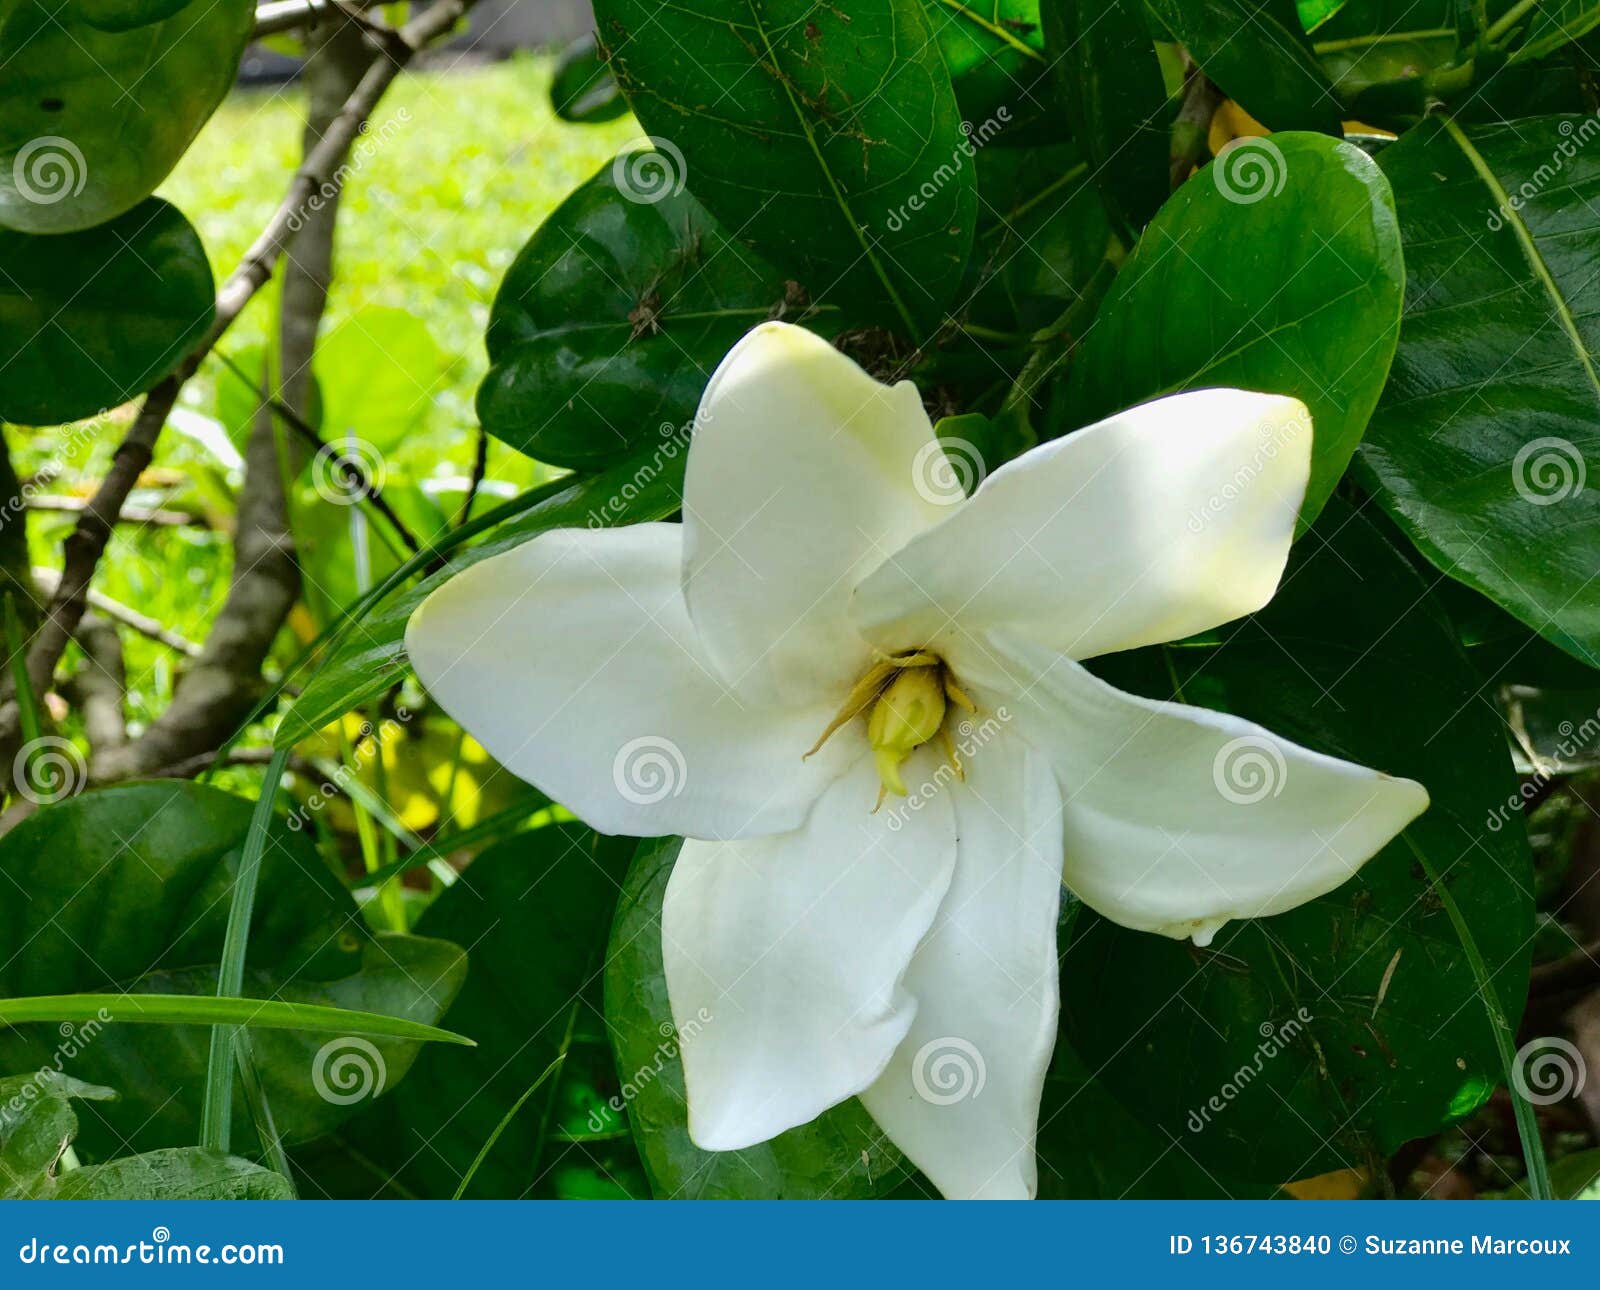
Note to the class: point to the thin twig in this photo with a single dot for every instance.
(348, 467)
(480, 466)
(118, 612)
(157, 515)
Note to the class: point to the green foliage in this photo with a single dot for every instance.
(38, 1125)
(1360, 1012)
(1486, 434)
(847, 118)
(91, 319)
(535, 909)
(76, 149)
(1276, 268)
(1270, 70)
(129, 892)
(613, 316)
(1113, 93)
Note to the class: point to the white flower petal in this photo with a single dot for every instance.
(799, 481)
(784, 958)
(572, 660)
(961, 1096)
(1160, 522)
(1178, 819)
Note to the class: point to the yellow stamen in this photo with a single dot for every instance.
(908, 713)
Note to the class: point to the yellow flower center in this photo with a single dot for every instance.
(906, 699)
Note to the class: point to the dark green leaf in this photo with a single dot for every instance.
(1553, 24)
(535, 909)
(1257, 53)
(582, 88)
(1276, 268)
(128, 892)
(1482, 446)
(612, 319)
(38, 1124)
(1354, 1023)
(828, 139)
(90, 120)
(841, 1155)
(124, 15)
(174, 1173)
(1111, 86)
(994, 50)
(91, 319)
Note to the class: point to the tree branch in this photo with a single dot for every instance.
(318, 180)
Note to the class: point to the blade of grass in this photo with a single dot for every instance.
(255, 1093)
(1505, 1035)
(216, 1116)
(484, 830)
(222, 1011)
(488, 1146)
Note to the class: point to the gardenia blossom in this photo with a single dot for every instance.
(865, 705)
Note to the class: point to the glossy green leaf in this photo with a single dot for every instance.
(129, 891)
(1112, 91)
(994, 51)
(829, 140)
(124, 15)
(1485, 441)
(535, 909)
(1257, 53)
(373, 657)
(582, 88)
(612, 319)
(1313, 13)
(840, 1155)
(1354, 1023)
(90, 120)
(1276, 268)
(89, 320)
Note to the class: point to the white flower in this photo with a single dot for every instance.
(824, 948)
